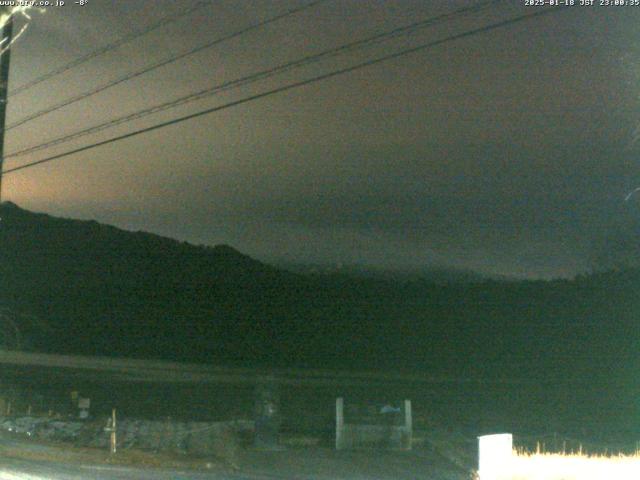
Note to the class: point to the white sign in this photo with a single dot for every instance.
(494, 456)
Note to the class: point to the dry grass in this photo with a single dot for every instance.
(570, 466)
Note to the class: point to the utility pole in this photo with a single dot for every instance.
(7, 36)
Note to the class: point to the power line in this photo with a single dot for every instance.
(167, 20)
(161, 63)
(294, 85)
(264, 74)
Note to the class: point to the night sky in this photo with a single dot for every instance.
(508, 152)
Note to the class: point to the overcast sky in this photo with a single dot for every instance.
(507, 152)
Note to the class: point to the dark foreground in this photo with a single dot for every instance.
(22, 459)
(286, 465)
(18, 469)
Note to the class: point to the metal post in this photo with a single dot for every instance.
(7, 36)
(113, 431)
(339, 423)
(408, 424)
(267, 414)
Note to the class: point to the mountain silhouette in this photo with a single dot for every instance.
(99, 290)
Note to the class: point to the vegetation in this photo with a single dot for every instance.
(105, 291)
(572, 466)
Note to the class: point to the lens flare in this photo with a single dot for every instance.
(8, 14)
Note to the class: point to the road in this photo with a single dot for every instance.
(24, 460)
(158, 371)
(27, 460)
(19, 469)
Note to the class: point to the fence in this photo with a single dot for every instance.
(385, 426)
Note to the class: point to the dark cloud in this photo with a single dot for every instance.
(509, 152)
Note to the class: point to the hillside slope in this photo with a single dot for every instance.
(105, 291)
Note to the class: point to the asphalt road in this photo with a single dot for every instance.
(18, 469)
(158, 371)
(322, 466)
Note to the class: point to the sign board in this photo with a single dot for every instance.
(494, 455)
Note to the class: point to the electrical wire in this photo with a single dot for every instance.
(167, 20)
(249, 79)
(161, 63)
(325, 76)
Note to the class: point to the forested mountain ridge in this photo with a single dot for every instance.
(105, 291)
